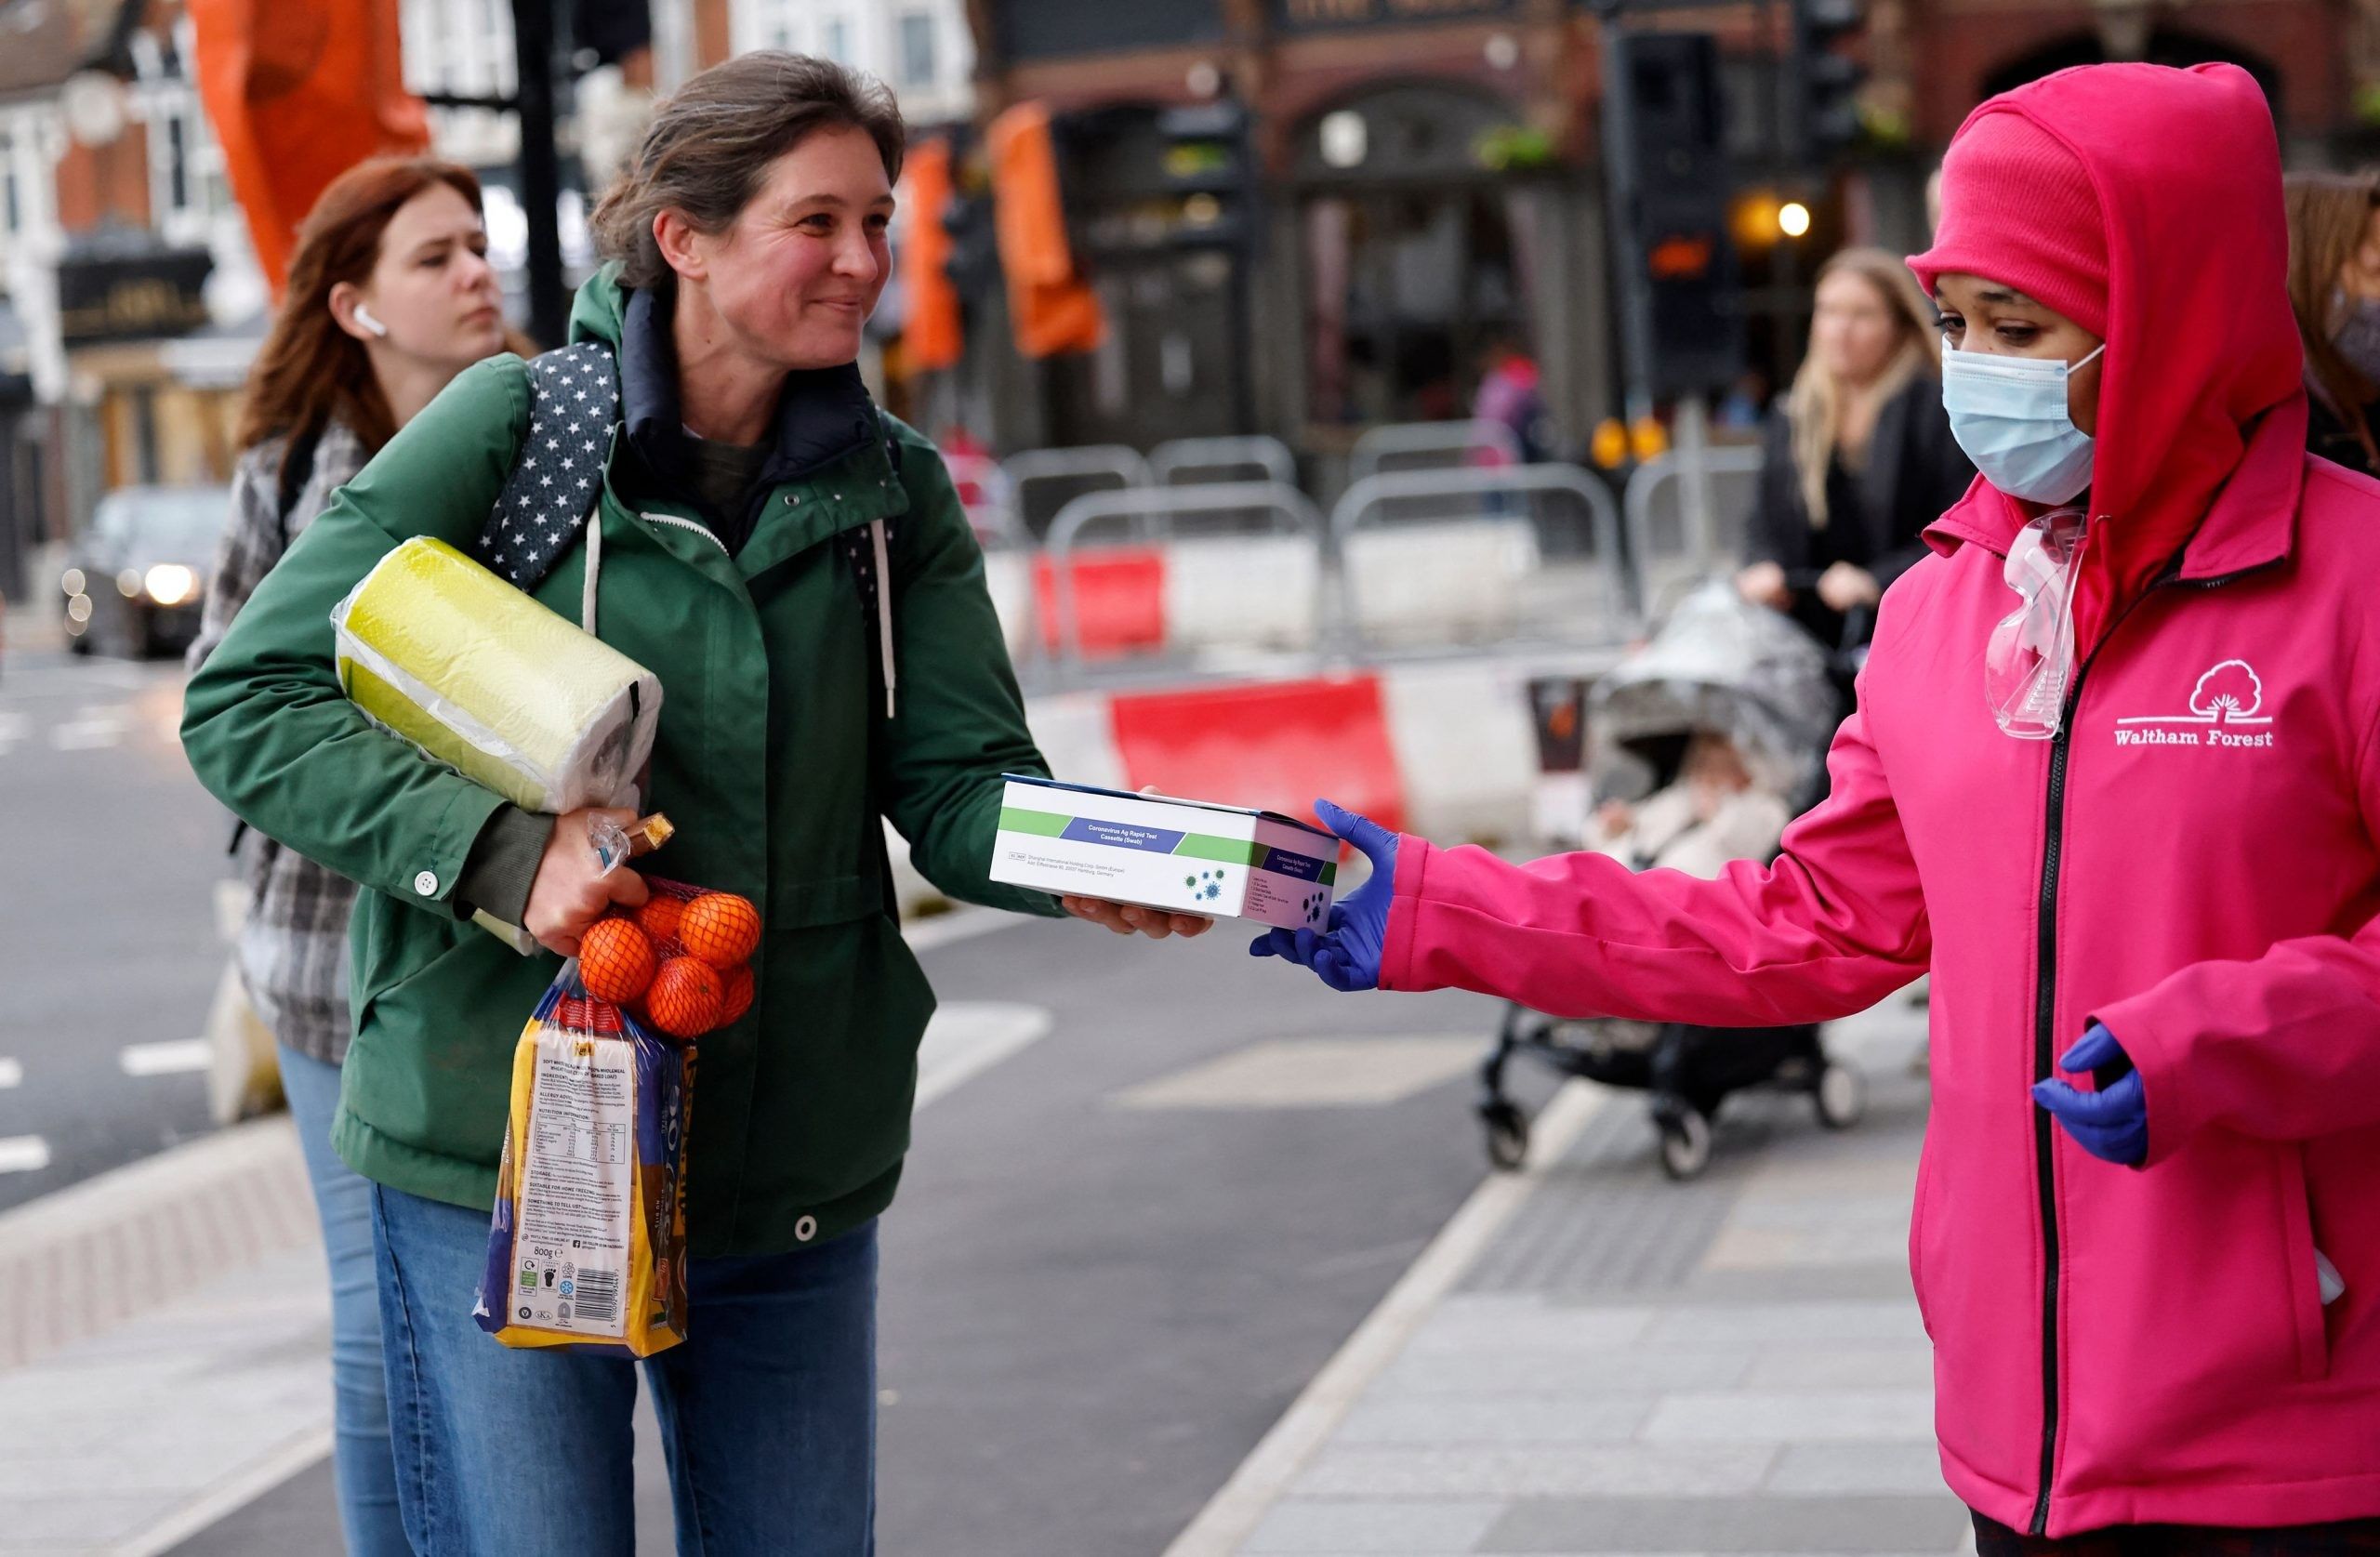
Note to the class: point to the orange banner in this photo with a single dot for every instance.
(1049, 306)
(299, 91)
(932, 336)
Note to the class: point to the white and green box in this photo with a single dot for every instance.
(1186, 856)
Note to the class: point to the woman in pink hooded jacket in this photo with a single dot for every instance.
(2114, 779)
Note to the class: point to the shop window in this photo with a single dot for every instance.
(835, 40)
(767, 24)
(917, 49)
(462, 46)
(1407, 291)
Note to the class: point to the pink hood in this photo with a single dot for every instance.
(2193, 862)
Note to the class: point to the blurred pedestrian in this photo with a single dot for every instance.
(2112, 782)
(1857, 459)
(794, 568)
(2334, 289)
(390, 295)
(1509, 395)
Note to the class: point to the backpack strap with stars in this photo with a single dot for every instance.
(557, 474)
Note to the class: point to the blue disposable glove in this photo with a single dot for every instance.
(1346, 954)
(2111, 1123)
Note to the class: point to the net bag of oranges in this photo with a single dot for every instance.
(588, 1246)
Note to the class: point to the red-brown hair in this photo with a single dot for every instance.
(309, 370)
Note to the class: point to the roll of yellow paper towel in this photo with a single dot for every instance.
(472, 672)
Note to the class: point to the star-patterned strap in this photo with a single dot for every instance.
(558, 475)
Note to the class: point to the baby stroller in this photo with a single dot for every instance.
(1745, 677)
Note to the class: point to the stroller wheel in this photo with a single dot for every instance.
(1841, 1095)
(1507, 1134)
(1686, 1144)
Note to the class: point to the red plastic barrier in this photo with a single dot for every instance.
(1278, 745)
(1119, 600)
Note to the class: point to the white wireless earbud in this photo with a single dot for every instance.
(364, 317)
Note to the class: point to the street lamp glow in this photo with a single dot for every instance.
(1794, 218)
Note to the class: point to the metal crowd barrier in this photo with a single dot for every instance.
(1151, 513)
(1116, 463)
(1404, 441)
(1268, 455)
(1704, 544)
(1484, 573)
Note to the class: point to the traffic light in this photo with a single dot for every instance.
(1823, 82)
(973, 265)
(612, 30)
(1679, 188)
(1206, 159)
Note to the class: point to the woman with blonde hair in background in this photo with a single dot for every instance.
(390, 296)
(2334, 291)
(1857, 459)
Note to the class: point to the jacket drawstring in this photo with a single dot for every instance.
(884, 616)
(594, 568)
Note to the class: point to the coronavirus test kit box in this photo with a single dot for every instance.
(1185, 856)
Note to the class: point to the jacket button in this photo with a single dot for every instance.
(805, 1230)
(426, 884)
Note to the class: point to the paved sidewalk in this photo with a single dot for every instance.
(1593, 1360)
(164, 1327)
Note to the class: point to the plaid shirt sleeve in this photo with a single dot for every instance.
(252, 543)
(292, 950)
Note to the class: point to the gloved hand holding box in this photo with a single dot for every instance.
(1184, 856)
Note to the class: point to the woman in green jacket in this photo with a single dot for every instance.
(794, 568)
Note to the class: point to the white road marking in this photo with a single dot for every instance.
(11, 1074)
(1311, 1072)
(23, 1154)
(963, 924)
(97, 728)
(968, 1038)
(13, 729)
(176, 1057)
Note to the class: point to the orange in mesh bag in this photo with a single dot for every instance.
(680, 961)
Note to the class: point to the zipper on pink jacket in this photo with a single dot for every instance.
(2046, 1026)
(2044, 1039)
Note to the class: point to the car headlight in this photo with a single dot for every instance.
(170, 583)
(73, 582)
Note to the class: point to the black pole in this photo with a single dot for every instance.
(533, 48)
(1631, 287)
(1247, 254)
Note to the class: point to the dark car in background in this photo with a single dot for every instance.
(136, 577)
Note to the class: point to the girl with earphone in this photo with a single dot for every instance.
(390, 296)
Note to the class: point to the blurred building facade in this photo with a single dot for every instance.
(133, 301)
(1427, 185)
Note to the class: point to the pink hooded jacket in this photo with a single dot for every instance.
(2195, 863)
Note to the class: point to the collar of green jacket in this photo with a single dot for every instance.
(823, 415)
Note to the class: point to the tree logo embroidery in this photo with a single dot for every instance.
(2227, 702)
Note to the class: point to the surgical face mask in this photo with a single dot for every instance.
(2029, 664)
(2009, 414)
(2358, 336)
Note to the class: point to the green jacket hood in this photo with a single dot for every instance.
(599, 308)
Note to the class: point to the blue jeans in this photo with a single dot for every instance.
(365, 1469)
(767, 1409)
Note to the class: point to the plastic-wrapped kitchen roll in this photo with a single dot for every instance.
(444, 653)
